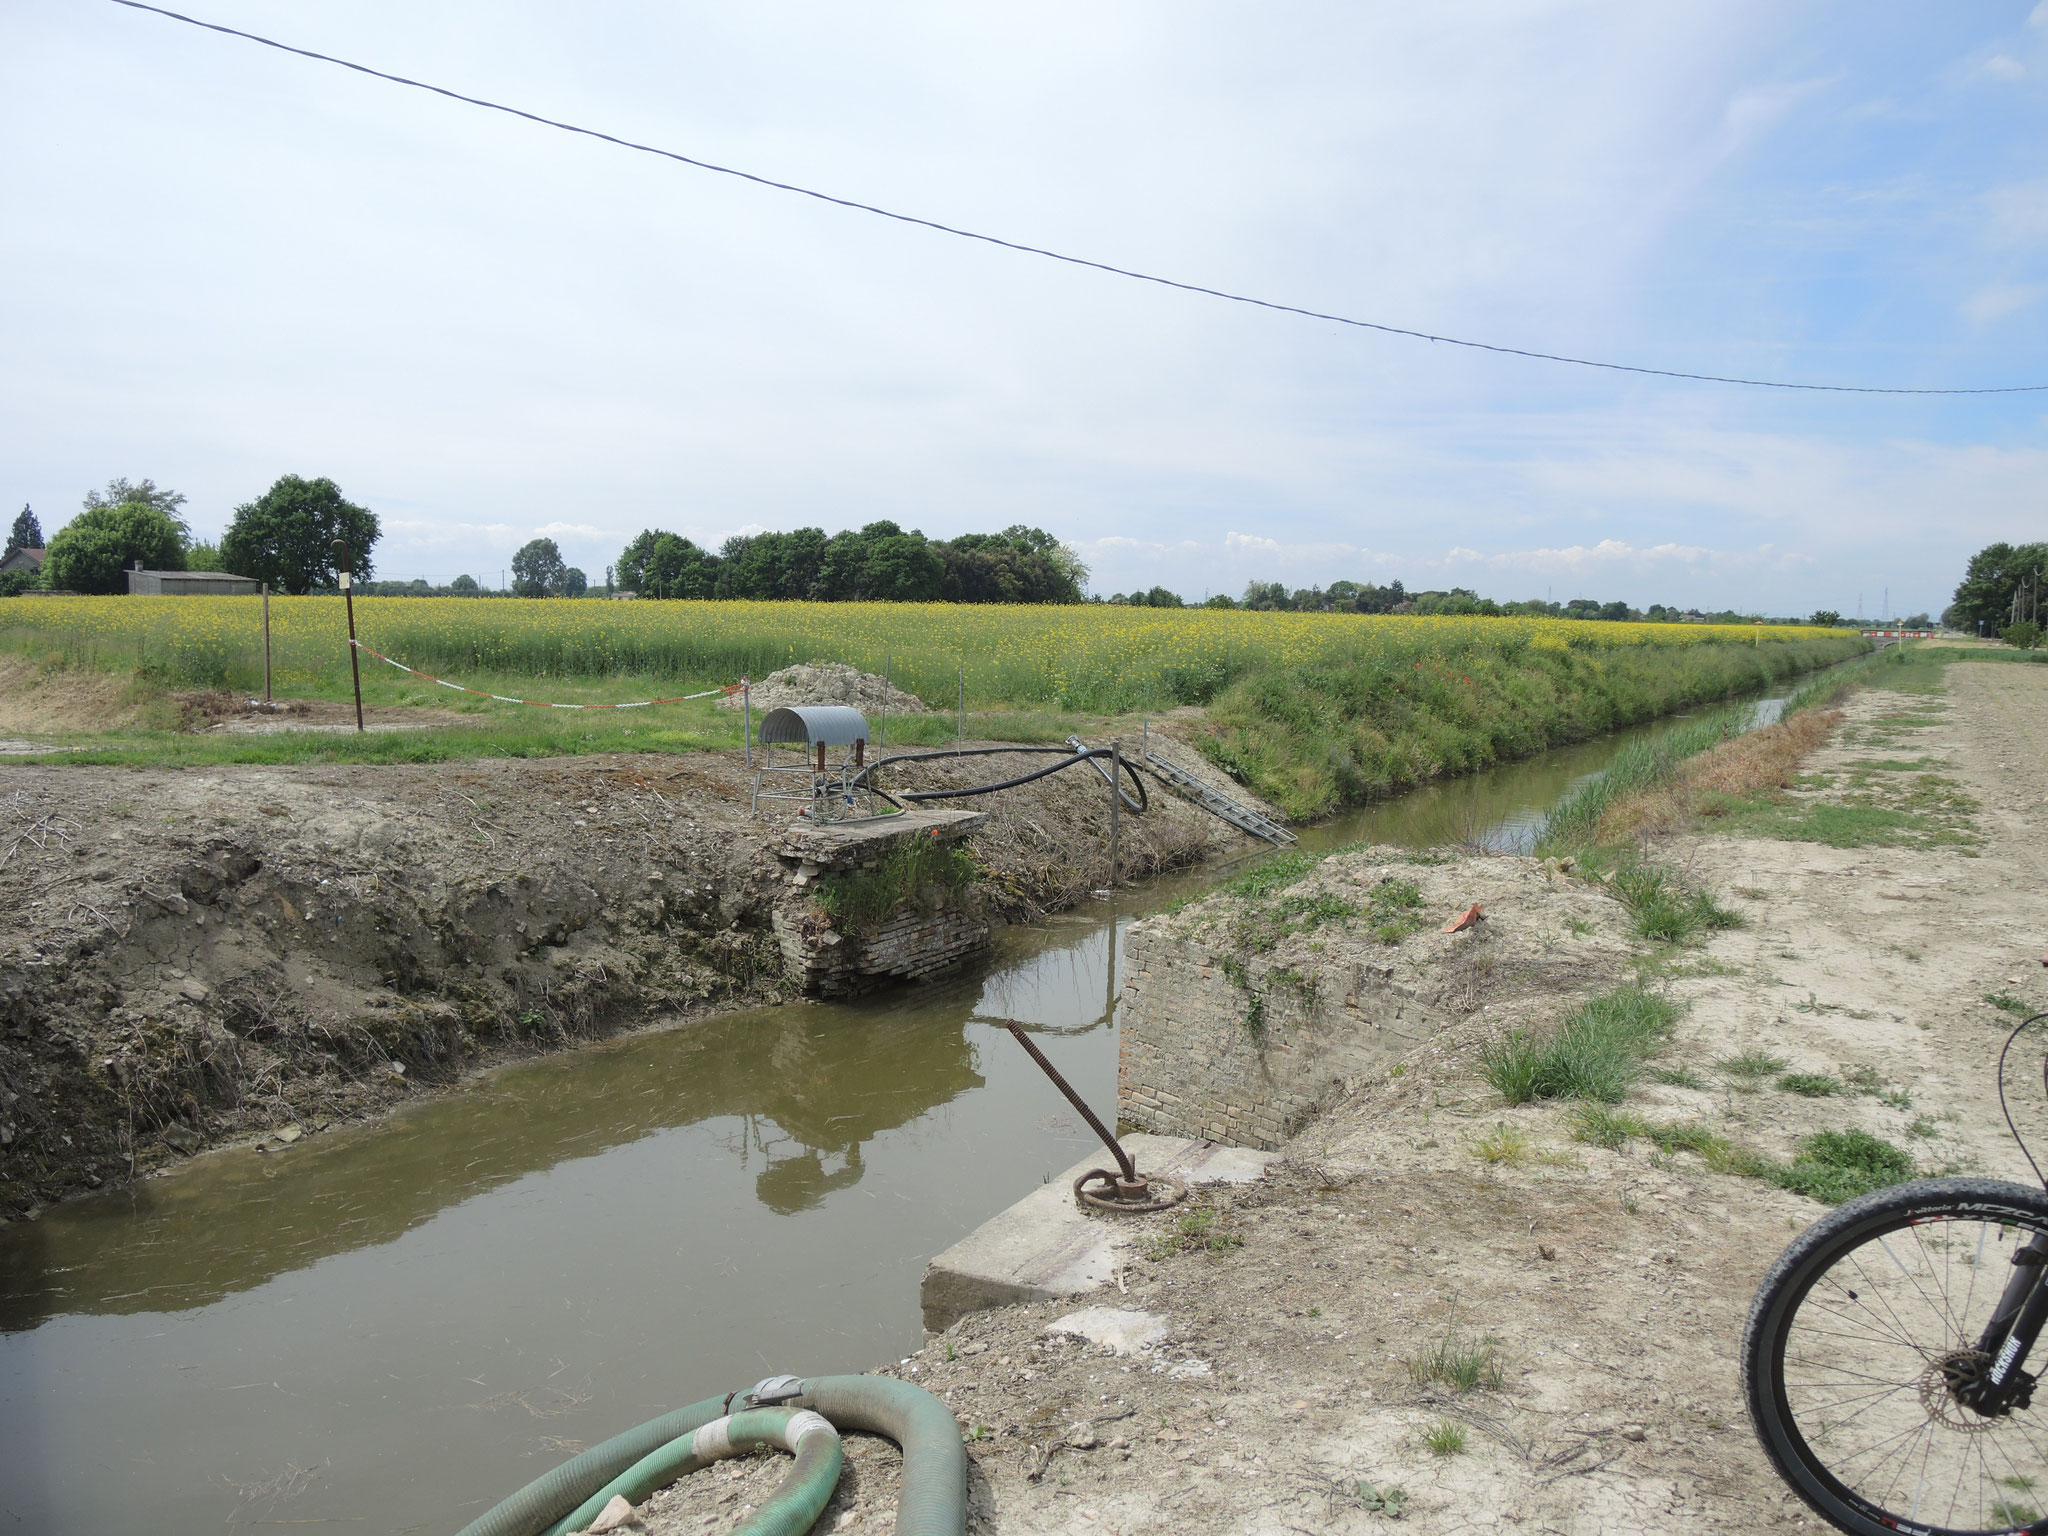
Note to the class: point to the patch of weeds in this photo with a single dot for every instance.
(1631, 1206)
(1504, 1144)
(1924, 1128)
(2005, 1002)
(1665, 907)
(1605, 1127)
(1614, 1129)
(1579, 926)
(1594, 1053)
(1259, 928)
(1833, 1166)
(1752, 1064)
(1377, 1499)
(860, 901)
(1812, 1085)
(1446, 1437)
(1895, 1098)
(1195, 1230)
(1457, 1364)
(1678, 1077)
(2014, 1513)
(1283, 869)
(1392, 910)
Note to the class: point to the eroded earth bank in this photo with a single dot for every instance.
(203, 955)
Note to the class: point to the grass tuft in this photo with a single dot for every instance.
(1665, 907)
(1460, 1365)
(1594, 1053)
(1446, 1437)
(1752, 1064)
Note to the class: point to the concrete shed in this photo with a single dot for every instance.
(191, 584)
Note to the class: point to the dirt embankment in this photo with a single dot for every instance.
(197, 955)
(1457, 1313)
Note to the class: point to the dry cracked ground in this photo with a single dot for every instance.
(1445, 1314)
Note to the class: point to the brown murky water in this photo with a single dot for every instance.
(393, 1327)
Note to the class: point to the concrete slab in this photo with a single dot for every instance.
(1047, 1246)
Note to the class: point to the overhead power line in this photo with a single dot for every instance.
(1051, 255)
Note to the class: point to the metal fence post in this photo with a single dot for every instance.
(266, 642)
(355, 666)
(1116, 800)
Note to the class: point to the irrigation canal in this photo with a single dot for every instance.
(392, 1326)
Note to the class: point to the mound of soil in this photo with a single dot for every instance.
(831, 682)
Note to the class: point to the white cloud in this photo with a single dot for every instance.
(2039, 18)
(1994, 301)
(2019, 212)
(2001, 67)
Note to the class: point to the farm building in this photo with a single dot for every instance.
(191, 584)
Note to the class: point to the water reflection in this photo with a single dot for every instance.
(427, 1312)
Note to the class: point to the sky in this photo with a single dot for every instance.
(220, 264)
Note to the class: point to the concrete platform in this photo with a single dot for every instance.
(1047, 1246)
(821, 845)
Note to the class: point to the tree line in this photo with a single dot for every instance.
(1366, 597)
(284, 537)
(880, 563)
(2001, 594)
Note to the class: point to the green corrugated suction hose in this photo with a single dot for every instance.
(933, 1501)
(790, 1510)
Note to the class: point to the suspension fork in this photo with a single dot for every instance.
(2009, 1337)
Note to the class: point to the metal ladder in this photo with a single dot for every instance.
(1214, 801)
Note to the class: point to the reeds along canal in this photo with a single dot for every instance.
(394, 1326)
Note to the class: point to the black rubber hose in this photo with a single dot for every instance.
(1137, 807)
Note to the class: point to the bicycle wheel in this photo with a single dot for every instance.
(1855, 1343)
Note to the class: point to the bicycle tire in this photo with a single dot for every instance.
(1857, 1330)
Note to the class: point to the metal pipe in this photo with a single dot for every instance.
(1123, 1158)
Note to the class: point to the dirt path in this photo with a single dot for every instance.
(1591, 1299)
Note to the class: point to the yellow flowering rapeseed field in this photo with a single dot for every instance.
(1090, 656)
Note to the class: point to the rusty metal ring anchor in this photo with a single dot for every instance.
(1128, 1197)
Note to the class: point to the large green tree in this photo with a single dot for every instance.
(93, 551)
(285, 536)
(1995, 573)
(538, 570)
(26, 533)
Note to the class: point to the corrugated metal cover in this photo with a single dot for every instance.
(836, 725)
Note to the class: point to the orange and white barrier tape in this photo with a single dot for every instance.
(428, 677)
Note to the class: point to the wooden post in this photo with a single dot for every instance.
(1116, 800)
(266, 642)
(747, 718)
(960, 725)
(355, 665)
